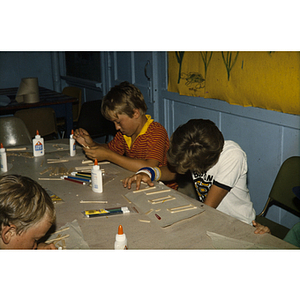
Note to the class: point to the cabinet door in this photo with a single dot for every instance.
(136, 68)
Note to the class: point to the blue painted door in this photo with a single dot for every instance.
(136, 68)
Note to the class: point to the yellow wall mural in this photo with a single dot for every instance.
(267, 80)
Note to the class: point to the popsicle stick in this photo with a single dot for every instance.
(161, 201)
(127, 199)
(93, 201)
(149, 211)
(47, 178)
(46, 170)
(158, 192)
(145, 221)
(57, 161)
(144, 190)
(15, 149)
(87, 161)
(64, 244)
(179, 207)
(57, 239)
(180, 210)
(82, 168)
(61, 230)
(166, 197)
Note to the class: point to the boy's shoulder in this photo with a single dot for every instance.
(231, 146)
(155, 126)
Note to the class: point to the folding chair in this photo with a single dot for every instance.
(13, 132)
(42, 119)
(282, 195)
(93, 122)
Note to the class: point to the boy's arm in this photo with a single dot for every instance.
(215, 196)
(102, 152)
(166, 175)
(44, 246)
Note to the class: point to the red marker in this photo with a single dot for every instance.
(80, 182)
(157, 216)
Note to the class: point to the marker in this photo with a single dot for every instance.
(83, 176)
(157, 216)
(105, 212)
(78, 178)
(77, 181)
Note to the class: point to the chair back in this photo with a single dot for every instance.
(75, 92)
(288, 177)
(13, 132)
(93, 121)
(42, 119)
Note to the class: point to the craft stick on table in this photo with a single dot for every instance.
(149, 211)
(144, 190)
(162, 200)
(181, 208)
(158, 192)
(57, 239)
(47, 178)
(16, 149)
(127, 199)
(93, 201)
(57, 161)
(61, 230)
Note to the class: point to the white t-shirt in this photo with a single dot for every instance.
(229, 173)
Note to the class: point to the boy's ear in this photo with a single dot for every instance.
(7, 233)
(136, 113)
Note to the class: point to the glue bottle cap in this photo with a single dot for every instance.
(1, 145)
(37, 133)
(96, 166)
(72, 132)
(120, 230)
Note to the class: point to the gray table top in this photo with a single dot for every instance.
(210, 229)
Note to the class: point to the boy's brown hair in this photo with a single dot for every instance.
(23, 202)
(123, 99)
(195, 146)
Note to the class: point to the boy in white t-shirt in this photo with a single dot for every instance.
(218, 167)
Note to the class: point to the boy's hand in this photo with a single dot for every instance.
(44, 246)
(138, 178)
(260, 229)
(83, 137)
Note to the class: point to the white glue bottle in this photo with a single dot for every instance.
(72, 144)
(97, 181)
(121, 240)
(3, 158)
(38, 145)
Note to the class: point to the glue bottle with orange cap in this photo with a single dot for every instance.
(97, 181)
(121, 240)
(3, 158)
(38, 145)
(72, 144)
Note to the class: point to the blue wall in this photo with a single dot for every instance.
(17, 65)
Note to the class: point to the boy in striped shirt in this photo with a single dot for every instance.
(139, 142)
